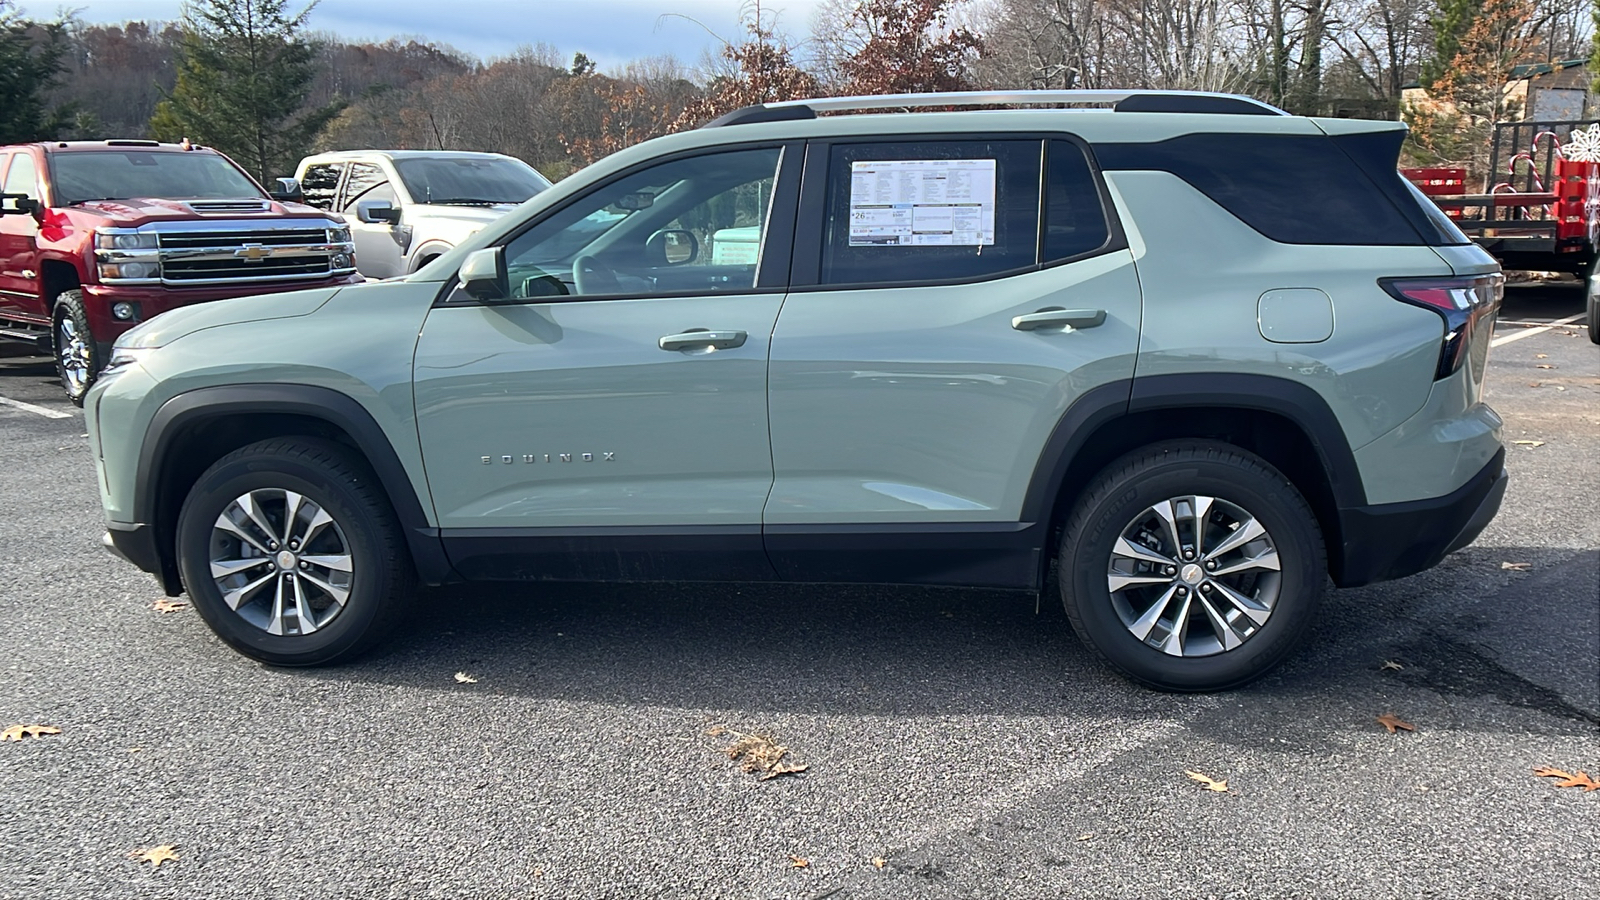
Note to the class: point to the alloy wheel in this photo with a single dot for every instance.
(1194, 576)
(73, 352)
(281, 562)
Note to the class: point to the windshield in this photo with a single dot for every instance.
(84, 175)
(469, 180)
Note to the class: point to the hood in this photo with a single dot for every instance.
(478, 215)
(186, 320)
(136, 211)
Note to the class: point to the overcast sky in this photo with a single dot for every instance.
(610, 31)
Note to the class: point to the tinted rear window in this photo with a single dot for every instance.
(1294, 189)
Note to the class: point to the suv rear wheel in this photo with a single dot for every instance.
(1192, 566)
(78, 359)
(292, 554)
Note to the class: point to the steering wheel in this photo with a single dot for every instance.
(591, 276)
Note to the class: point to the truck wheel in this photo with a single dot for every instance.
(78, 359)
(292, 554)
(1192, 566)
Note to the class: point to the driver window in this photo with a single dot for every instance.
(689, 226)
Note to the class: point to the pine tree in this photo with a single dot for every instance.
(245, 71)
(30, 60)
(1454, 19)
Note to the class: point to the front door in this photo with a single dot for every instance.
(610, 421)
(19, 245)
(931, 343)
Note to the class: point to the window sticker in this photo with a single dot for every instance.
(922, 202)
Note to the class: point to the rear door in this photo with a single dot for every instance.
(940, 323)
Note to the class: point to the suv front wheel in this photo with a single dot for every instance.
(292, 554)
(1192, 566)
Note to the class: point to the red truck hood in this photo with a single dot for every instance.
(140, 210)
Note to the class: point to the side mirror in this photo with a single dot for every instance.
(672, 247)
(376, 211)
(288, 191)
(21, 205)
(483, 275)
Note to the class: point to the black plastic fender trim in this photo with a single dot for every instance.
(340, 410)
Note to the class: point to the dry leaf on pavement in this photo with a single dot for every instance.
(464, 678)
(760, 753)
(1529, 443)
(1211, 784)
(1390, 664)
(879, 861)
(1395, 723)
(18, 732)
(1516, 566)
(799, 862)
(1568, 779)
(154, 855)
(1543, 366)
(1541, 356)
(167, 604)
(716, 731)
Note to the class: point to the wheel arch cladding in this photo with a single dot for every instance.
(194, 429)
(1286, 423)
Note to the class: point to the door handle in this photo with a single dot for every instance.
(1056, 317)
(703, 337)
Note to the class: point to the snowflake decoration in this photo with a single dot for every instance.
(1583, 145)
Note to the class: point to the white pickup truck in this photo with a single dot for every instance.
(406, 207)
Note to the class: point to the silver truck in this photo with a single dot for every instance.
(407, 207)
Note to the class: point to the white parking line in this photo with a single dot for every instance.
(29, 407)
(1517, 336)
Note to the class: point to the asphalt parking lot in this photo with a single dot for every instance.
(957, 743)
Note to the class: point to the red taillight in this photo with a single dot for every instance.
(1461, 302)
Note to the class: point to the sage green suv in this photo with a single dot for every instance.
(1190, 354)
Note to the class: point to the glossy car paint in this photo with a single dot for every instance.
(916, 404)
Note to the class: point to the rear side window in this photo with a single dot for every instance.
(1294, 189)
(918, 211)
(320, 185)
(366, 182)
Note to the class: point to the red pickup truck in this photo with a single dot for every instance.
(97, 236)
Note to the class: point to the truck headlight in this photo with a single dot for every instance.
(340, 235)
(130, 270)
(127, 240)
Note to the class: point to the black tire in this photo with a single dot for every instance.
(368, 535)
(1134, 485)
(77, 352)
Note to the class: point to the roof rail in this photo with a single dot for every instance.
(1121, 101)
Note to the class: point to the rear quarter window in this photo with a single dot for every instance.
(1294, 189)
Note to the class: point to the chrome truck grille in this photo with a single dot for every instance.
(206, 253)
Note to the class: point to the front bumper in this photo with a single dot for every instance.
(137, 544)
(1393, 540)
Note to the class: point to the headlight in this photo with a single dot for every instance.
(130, 270)
(122, 358)
(127, 240)
(339, 235)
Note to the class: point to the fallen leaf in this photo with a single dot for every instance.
(1541, 356)
(799, 862)
(1395, 723)
(879, 861)
(154, 855)
(167, 604)
(1391, 664)
(464, 678)
(760, 753)
(1211, 784)
(1515, 566)
(1529, 443)
(1085, 836)
(18, 732)
(1534, 384)
(538, 871)
(1569, 779)
(716, 731)
(1544, 366)
(135, 749)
